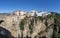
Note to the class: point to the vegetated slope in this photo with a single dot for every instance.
(41, 27)
(36, 26)
(56, 26)
(49, 22)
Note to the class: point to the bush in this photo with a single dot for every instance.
(22, 25)
(41, 18)
(31, 25)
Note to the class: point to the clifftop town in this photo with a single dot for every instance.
(22, 24)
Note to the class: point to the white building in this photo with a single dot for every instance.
(39, 13)
(19, 13)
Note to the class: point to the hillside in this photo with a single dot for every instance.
(44, 27)
(25, 25)
(36, 25)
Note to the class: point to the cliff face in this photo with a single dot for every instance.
(28, 26)
(37, 26)
(11, 23)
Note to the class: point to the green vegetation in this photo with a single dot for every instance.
(46, 17)
(22, 25)
(56, 24)
(57, 17)
(41, 18)
(31, 25)
(32, 22)
(49, 16)
(46, 23)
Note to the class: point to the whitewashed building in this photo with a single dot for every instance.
(39, 13)
(31, 13)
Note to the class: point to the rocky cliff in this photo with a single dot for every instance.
(27, 26)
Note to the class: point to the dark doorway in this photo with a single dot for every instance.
(4, 33)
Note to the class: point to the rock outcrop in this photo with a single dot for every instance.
(32, 25)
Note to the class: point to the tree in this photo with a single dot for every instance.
(22, 27)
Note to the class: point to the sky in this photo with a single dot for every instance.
(28, 5)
